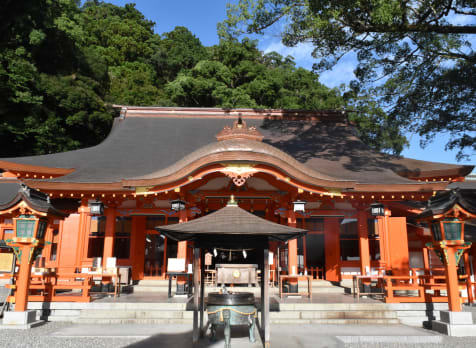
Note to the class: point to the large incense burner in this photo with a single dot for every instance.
(226, 308)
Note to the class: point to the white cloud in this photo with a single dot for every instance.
(458, 19)
(301, 52)
(343, 72)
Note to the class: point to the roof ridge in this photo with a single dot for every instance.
(159, 111)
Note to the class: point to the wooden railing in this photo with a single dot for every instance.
(60, 287)
(316, 272)
(423, 288)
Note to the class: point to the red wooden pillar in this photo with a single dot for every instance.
(332, 248)
(363, 242)
(48, 241)
(398, 254)
(182, 251)
(292, 246)
(182, 246)
(292, 253)
(454, 302)
(473, 253)
(23, 280)
(138, 246)
(469, 284)
(83, 232)
(384, 239)
(426, 260)
(109, 235)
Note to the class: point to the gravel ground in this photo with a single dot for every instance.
(40, 337)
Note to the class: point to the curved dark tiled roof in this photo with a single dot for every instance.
(230, 221)
(446, 200)
(155, 140)
(235, 145)
(13, 193)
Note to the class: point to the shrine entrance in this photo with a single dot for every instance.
(154, 255)
(157, 248)
(315, 259)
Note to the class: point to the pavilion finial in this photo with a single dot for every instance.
(232, 202)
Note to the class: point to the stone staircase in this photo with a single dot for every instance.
(335, 313)
(177, 313)
(291, 311)
(136, 313)
(319, 286)
(413, 314)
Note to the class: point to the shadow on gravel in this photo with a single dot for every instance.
(239, 338)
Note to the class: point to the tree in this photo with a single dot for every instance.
(60, 63)
(177, 50)
(413, 56)
(51, 89)
(238, 75)
(63, 64)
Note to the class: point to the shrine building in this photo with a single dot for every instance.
(162, 166)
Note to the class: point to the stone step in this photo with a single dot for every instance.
(334, 315)
(104, 314)
(273, 321)
(337, 321)
(131, 321)
(65, 312)
(255, 290)
(152, 288)
(60, 318)
(333, 306)
(135, 306)
(154, 282)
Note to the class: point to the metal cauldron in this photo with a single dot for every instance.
(231, 309)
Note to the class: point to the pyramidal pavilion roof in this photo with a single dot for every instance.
(230, 221)
(155, 145)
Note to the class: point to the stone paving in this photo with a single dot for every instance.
(66, 335)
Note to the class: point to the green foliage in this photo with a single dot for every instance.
(120, 34)
(413, 57)
(133, 84)
(63, 64)
(239, 75)
(178, 50)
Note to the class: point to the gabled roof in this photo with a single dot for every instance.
(230, 221)
(13, 193)
(151, 141)
(445, 201)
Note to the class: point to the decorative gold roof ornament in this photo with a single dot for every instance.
(239, 131)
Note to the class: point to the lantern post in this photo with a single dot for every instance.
(448, 243)
(31, 212)
(28, 242)
(445, 214)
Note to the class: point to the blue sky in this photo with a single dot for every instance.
(200, 17)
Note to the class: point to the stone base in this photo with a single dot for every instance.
(20, 320)
(455, 324)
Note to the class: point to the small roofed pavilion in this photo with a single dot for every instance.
(234, 227)
(32, 213)
(446, 214)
